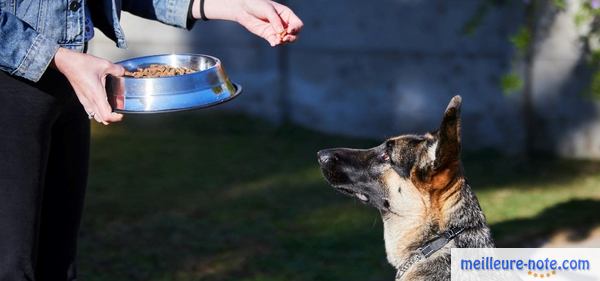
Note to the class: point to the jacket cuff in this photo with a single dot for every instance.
(38, 57)
(177, 13)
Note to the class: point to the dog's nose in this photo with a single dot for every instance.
(324, 156)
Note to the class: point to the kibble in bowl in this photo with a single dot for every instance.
(158, 70)
(165, 83)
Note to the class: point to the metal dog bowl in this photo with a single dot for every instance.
(208, 86)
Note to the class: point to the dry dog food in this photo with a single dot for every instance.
(282, 35)
(158, 70)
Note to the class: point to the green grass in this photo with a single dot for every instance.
(215, 196)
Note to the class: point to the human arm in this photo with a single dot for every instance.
(87, 75)
(265, 18)
(171, 12)
(26, 53)
(23, 51)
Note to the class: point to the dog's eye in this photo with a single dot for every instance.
(384, 157)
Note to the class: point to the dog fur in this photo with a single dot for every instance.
(418, 185)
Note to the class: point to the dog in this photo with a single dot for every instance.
(418, 185)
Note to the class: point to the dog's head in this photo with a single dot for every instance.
(403, 169)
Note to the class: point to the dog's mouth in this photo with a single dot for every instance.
(340, 182)
(382, 204)
(361, 196)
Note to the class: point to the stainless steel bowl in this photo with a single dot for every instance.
(208, 86)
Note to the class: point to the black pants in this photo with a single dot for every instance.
(44, 154)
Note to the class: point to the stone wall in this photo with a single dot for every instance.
(384, 67)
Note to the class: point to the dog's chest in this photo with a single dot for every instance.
(406, 222)
(399, 234)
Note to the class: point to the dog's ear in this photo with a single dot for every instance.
(449, 145)
(444, 152)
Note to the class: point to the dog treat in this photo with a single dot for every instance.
(282, 35)
(158, 70)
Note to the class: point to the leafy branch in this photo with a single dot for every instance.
(586, 18)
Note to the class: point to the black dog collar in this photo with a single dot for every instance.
(428, 249)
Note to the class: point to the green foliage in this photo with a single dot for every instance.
(594, 58)
(582, 16)
(560, 4)
(585, 14)
(475, 21)
(594, 91)
(511, 82)
(521, 40)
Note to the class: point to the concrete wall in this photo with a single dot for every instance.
(385, 67)
(569, 122)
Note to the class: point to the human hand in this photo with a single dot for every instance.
(87, 75)
(270, 20)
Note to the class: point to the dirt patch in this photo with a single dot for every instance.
(575, 238)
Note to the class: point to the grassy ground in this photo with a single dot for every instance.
(223, 197)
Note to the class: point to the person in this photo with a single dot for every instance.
(49, 91)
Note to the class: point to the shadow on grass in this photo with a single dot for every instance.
(284, 231)
(575, 217)
(488, 169)
(195, 196)
(220, 197)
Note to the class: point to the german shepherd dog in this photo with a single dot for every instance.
(418, 185)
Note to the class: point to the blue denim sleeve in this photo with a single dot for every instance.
(171, 12)
(23, 51)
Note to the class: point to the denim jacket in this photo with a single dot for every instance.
(31, 31)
